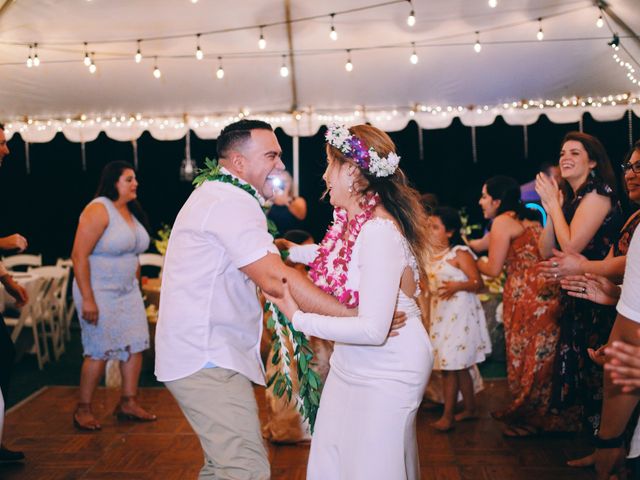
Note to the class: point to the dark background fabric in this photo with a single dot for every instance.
(45, 204)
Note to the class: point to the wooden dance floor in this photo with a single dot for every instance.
(169, 450)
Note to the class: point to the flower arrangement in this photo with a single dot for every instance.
(338, 136)
(162, 241)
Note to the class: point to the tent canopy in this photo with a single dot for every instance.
(573, 61)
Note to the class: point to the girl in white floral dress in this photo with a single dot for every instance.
(458, 328)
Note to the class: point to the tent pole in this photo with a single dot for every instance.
(294, 86)
(296, 165)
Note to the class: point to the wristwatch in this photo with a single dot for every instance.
(600, 443)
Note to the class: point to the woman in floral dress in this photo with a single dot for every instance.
(530, 309)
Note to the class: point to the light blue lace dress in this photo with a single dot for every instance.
(122, 327)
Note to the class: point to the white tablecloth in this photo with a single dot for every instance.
(21, 278)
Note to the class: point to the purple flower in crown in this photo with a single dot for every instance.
(368, 159)
(358, 152)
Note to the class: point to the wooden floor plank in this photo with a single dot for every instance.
(169, 450)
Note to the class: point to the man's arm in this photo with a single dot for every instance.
(268, 273)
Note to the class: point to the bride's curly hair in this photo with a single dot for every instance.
(400, 199)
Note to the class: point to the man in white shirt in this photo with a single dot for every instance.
(622, 390)
(18, 243)
(210, 319)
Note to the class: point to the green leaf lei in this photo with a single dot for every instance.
(309, 382)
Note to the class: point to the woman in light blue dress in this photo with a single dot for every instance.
(111, 233)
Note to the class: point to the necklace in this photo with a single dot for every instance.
(213, 173)
(331, 277)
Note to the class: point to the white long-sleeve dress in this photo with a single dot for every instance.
(365, 427)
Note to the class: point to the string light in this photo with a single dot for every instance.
(138, 56)
(540, 34)
(348, 66)
(333, 35)
(414, 56)
(92, 65)
(199, 54)
(477, 47)
(36, 59)
(600, 21)
(615, 42)
(156, 71)
(220, 71)
(29, 59)
(262, 43)
(493, 3)
(87, 60)
(284, 71)
(411, 19)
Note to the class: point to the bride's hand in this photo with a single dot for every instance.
(285, 303)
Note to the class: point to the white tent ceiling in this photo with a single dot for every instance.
(572, 60)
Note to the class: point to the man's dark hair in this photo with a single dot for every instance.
(235, 134)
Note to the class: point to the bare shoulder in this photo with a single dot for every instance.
(381, 213)
(95, 213)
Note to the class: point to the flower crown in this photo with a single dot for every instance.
(338, 136)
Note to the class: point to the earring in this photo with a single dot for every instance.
(592, 173)
(350, 187)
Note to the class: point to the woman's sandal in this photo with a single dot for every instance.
(91, 425)
(520, 431)
(120, 414)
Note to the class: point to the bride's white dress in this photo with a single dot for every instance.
(365, 427)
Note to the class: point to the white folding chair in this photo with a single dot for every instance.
(151, 259)
(53, 305)
(31, 317)
(69, 308)
(22, 260)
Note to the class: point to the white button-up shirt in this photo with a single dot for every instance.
(209, 309)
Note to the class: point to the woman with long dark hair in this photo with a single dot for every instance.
(111, 233)
(530, 309)
(584, 216)
(371, 257)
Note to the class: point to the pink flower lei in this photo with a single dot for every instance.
(332, 278)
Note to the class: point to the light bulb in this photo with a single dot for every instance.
(262, 43)
(477, 47)
(600, 22)
(540, 34)
(92, 67)
(220, 71)
(156, 72)
(348, 66)
(411, 19)
(199, 54)
(284, 71)
(333, 35)
(36, 60)
(493, 3)
(414, 58)
(29, 62)
(87, 60)
(138, 56)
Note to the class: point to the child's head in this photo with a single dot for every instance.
(445, 225)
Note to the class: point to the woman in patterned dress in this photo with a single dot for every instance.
(110, 235)
(584, 217)
(530, 309)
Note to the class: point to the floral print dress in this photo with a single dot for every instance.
(531, 311)
(458, 328)
(577, 382)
